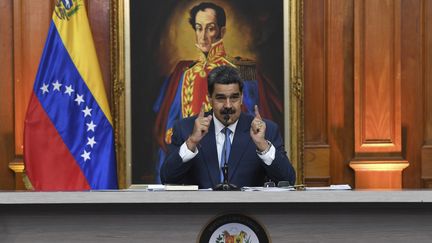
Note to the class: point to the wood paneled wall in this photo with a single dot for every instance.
(328, 74)
(23, 30)
(317, 149)
(6, 96)
(368, 68)
(340, 73)
(31, 23)
(377, 95)
(421, 52)
(377, 77)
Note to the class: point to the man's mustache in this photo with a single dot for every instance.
(227, 111)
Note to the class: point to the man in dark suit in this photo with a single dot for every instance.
(200, 145)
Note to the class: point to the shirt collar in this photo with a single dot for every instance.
(219, 126)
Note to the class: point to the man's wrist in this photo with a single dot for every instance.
(264, 151)
(191, 144)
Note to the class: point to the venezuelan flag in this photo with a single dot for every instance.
(68, 134)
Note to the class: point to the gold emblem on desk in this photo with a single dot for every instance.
(233, 228)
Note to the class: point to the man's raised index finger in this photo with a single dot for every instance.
(257, 114)
(201, 114)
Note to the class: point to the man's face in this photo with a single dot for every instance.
(226, 101)
(207, 31)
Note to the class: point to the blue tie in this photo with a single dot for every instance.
(226, 149)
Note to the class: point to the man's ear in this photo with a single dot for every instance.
(222, 32)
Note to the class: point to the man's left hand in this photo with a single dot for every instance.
(257, 131)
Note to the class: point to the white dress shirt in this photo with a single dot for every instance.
(187, 154)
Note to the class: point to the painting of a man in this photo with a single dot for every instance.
(189, 79)
(184, 90)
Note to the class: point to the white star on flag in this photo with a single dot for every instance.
(91, 141)
(79, 99)
(69, 90)
(87, 111)
(85, 155)
(57, 85)
(90, 126)
(44, 88)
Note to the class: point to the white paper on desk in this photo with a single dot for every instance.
(331, 187)
(136, 188)
(156, 187)
(205, 189)
(181, 187)
(160, 187)
(266, 189)
(146, 187)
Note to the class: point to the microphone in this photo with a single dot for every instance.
(226, 186)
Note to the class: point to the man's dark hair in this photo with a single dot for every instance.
(220, 13)
(224, 75)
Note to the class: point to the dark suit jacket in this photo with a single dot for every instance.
(245, 167)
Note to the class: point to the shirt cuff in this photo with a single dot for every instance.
(269, 156)
(186, 154)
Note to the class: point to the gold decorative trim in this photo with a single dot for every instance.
(396, 165)
(187, 91)
(296, 87)
(21, 179)
(17, 167)
(118, 86)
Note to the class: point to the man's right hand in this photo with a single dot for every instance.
(202, 124)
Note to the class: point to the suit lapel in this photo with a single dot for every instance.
(239, 145)
(209, 151)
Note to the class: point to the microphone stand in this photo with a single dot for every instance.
(225, 185)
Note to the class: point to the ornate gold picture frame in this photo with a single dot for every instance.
(121, 95)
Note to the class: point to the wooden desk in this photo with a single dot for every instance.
(138, 216)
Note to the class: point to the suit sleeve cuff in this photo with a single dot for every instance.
(268, 157)
(186, 154)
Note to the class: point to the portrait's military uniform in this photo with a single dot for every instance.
(194, 80)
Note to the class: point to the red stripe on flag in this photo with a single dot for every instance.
(48, 169)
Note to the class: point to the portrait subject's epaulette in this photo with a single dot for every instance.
(247, 67)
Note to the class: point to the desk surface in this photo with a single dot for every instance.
(168, 197)
(180, 216)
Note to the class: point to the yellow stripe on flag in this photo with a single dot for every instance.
(75, 33)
